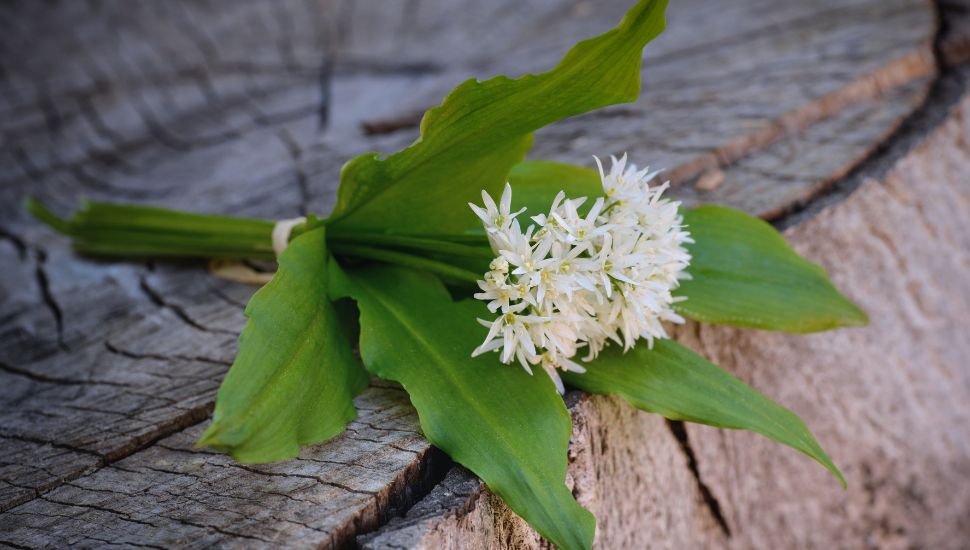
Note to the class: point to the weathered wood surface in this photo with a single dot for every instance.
(251, 108)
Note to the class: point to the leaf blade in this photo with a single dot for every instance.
(483, 128)
(278, 396)
(745, 274)
(511, 429)
(678, 384)
(536, 182)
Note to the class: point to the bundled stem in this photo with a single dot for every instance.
(122, 230)
(446, 271)
(106, 229)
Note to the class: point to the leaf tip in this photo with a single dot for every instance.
(857, 316)
(210, 437)
(822, 458)
(44, 215)
(849, 314)
(579, 534)
(838, 475)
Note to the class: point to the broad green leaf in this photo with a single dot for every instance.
(295, 374)
(745, 274)
(535, 184)
(510, 428)
(675, 382)
(483, 128)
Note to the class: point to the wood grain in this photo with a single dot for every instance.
(251, 108)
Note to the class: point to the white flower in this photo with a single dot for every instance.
(550, 363)
(497, 218)
(578, 280)
(624, 183)
(510, 333)
(497, 291)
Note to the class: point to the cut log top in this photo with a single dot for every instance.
(109, 369)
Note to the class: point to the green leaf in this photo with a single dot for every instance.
(295, 374)
(745, 274)
(483, 128)
(677, 383)
(536, 182)
(510, 428)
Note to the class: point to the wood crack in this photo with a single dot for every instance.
(18, 242)
(303, 476)
(54, 444)
(165, 357)
(126, 543)
(156, 298)
(43, 283)
(679, 431)
(46, 379)
(868, 87)
(946, 90)
(220, 530)
(189, 418)
(226, 298)
(121, 515)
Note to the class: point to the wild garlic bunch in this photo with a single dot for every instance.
(576, 280)
(583, 275)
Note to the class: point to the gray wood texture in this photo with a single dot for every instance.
(109, 370)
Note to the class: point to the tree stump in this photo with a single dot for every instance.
(845, 123)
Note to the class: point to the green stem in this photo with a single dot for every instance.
(418, 243)
(478, 239)
(401, 258)
(124, 230)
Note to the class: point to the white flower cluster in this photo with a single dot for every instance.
(574, 280)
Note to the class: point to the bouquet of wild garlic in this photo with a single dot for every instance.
(571, 274)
